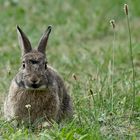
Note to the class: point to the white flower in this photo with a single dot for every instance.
(28, 106)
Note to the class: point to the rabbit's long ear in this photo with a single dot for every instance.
(44, 39)
(23, 41)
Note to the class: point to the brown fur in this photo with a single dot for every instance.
(48, 96)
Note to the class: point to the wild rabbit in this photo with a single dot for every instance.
(36, 86)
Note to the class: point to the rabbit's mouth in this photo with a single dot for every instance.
(36, 87)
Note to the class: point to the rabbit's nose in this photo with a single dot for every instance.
(34, 81)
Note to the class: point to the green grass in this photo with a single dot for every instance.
(80, 44)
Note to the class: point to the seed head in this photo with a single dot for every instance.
(74, 76)
(126, 9)
(91, 92)
(112, 22)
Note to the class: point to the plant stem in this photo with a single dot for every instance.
(112, 64)
(133, 69)
(29, 115)
(112, 75)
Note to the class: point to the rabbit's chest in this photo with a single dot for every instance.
(40, 104)
(37, 100)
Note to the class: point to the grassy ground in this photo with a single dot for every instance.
(80, 44)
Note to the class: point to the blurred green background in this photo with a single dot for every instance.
(80, 43)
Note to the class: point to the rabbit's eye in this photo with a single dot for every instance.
(45, 65)
(23, 65)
